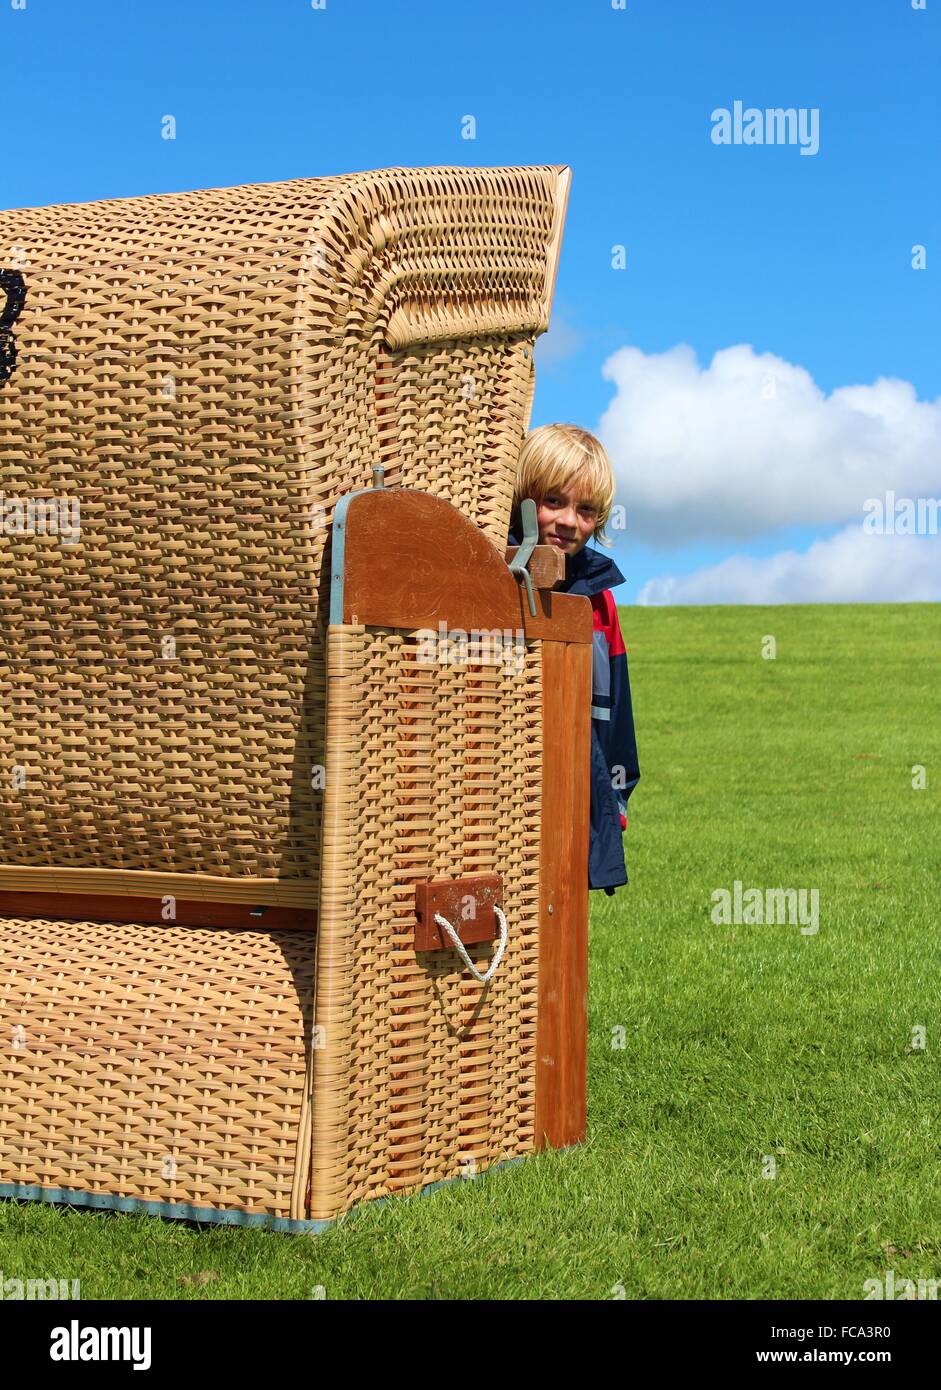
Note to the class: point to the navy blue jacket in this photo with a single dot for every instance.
(614, 768)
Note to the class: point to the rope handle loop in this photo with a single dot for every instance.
(458, 945)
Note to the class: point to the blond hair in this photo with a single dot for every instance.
(562, 457)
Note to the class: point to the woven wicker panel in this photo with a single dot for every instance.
(434, 772)
(157, 1062)
(204, 374)
(430, 420)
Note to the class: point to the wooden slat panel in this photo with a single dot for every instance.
(187, 912)
(134, 883)
(562, 1037)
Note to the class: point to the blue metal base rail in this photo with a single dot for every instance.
(224, 1216)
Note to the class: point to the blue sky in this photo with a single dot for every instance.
(807, 259)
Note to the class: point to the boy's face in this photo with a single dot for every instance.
(566, 519)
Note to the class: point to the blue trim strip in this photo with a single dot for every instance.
(224, 1216)
(177, 1211)
(338, 554)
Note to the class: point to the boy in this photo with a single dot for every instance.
(568, 474)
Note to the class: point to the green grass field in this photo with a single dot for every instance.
(713, 1048)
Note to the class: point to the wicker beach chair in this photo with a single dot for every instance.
(257, 449)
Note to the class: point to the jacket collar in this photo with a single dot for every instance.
(588, 572)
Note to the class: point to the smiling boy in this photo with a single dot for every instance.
(568, 474)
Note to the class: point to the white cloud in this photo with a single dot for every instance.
(750, 444)
(849, 567)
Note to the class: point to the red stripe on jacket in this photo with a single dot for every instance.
(604, 616)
